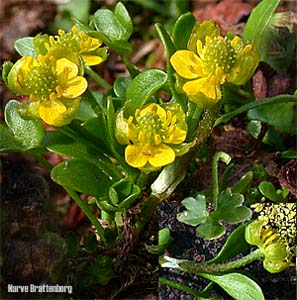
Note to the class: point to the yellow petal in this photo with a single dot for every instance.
(135, 157)
(59, 113)
(162, 156)
(157, 109)
(75, 87)
(207, 86)
(187, 64)
(177, 136)
(65, 68)
(91, 60)
(50, 111)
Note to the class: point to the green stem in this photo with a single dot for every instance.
(87, 211)
(98, 79)
(148, 209)
(196, 268)
(215, 178)
(273, 100)
(42, 161)
(131, 68)
(180, 287)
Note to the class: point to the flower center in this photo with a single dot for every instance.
(219, 53)
(40, 81)
(69, 41)
(150, 126)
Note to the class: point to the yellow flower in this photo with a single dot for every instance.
(152, 135)
(210, 61)
(87, 47)
(54, 87)
(275, 234)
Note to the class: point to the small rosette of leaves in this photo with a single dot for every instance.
(229, 209)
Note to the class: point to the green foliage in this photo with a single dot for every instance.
(243, 183)
(8, 141)
(114, 28)
(182, 30)
(29, 133)
(99, 271)
(274, 116)
(229, 209)
(258, 22)
(5, 71)
(82, 176)
(142, 88)
(25, 46)
(272, 34)
(234, 244)
(268, 190)
(195, 212)
(237, 285)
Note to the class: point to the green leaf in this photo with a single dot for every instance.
(195, 212)
(290, 154)
(25, 46)
(120, 86)
(268, 190)
(81, 176)
(244, 183)
(230, 207)
(59, 143)
(142, 88)
(122, 15)
(237, 286)
(115, 26)
(210, 229)
(77, 9)
(101, 270)
(182, 30)
(258, 22)
(234, 245)
(91, 242)
(279, 42)
(28, 132)
(284, 98)
(7, 141)
(254, 128)
(85, 112)
(5, 71)
(123, 194)
(274, 116)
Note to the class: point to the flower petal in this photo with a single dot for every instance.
(58, 113)
(187, 64)
(135, 157)
(49, 111)
(75, 87)
(157, 109)
(91, 60)
(177, 136)
(162, 156)
(207, 86)
(65, 68)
